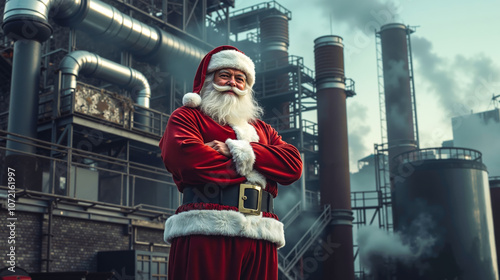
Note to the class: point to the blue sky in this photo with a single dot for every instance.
(455, 51)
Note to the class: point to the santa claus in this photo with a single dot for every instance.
(227, 163)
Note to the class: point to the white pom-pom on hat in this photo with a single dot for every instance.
(191, 100)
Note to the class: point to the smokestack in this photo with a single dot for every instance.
(397, 88)
(274, 55)
(334, 156)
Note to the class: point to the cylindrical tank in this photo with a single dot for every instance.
(441, 206)
(398, 99)
(495, 207)
(274, 56)
(334, 155)
(274, 34)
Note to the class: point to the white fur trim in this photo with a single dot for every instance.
(255, 177)
(224, 223)
(243, 155)
(245, 131)
(191, 99)
(233, 59)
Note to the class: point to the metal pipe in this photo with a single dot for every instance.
(92, 65)
(147, 43)
(23, 107)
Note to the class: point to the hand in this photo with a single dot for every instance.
(220, 147)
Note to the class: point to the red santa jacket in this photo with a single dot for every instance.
(191, 162)
(259, 156)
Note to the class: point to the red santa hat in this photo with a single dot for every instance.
(219, 58)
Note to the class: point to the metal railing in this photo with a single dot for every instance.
(288, 219)
(288, 262)
(444, 153)
(263, 6)
(366, 199)
(63, 165)
(121, 112)
(313, 199)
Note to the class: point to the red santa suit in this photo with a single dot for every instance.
(211, 240)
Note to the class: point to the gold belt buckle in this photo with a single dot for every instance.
(242, 197)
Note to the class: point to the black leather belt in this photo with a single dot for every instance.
(250, 199)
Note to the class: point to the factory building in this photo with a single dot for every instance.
(87, 89)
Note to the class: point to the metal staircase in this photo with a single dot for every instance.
(288, 261)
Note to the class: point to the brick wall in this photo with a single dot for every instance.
(76, 242)
(28, 237)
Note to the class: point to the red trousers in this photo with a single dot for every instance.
(222, 258)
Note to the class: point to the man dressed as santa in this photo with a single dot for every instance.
(227, 163)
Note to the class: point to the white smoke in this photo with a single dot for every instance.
(473, 132)
(377, 247)
(358, 133)
(460, 84)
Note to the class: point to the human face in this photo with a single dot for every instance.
(230, 77)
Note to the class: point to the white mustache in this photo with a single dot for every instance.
(227, 88)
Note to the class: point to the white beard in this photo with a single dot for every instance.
(226, 108)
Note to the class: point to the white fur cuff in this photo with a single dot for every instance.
(243, 155)
(255, 177)
(191, 100)
(224, 223)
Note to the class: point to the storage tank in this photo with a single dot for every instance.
(441, 196)
(495, 206)
(274, 41)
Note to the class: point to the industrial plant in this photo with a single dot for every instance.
(87, 88)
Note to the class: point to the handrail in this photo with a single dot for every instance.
(306, 241)
(442, 153)
(262, 6)
(158, 120)
(292, 215)
(71, 159)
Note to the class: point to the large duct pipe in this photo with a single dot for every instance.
(274, 54)
(334, 155)
(397, 88)
(148, 43)
(92, 65)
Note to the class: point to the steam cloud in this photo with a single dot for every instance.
(363, 15)
(377, 246)
(475, 133)
(460, 84)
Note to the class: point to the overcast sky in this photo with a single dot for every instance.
(455, 51)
